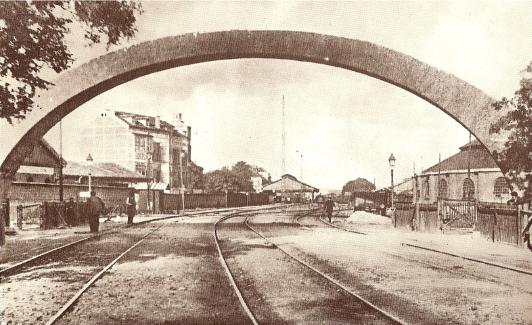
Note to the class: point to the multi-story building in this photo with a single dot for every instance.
(157, 149)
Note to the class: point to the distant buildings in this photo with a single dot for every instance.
(469, 174)
(154, 148)
(258, 178)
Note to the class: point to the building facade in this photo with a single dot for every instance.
(470, 174)
(156, 149)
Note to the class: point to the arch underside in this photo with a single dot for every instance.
(466, 104)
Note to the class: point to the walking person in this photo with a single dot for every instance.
(328, 206)
(95, 207)
(131, 208)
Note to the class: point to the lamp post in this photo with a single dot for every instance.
(148, 180)
(89, 162)
(181, 155)
(391, 161)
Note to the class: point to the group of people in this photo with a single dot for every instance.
(95, 207)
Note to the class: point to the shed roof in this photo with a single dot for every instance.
(289, 183)
(474, 156)
(102, 170)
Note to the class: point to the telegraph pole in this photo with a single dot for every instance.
(61, 160)
(181, 177)
(283, 140)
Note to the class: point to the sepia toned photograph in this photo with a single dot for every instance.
(265, 162)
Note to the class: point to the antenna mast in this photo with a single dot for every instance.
(283, 139)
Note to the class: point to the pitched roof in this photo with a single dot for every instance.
(474, 156)
(289, 183)
(52, 151)
(102, 170)
(134, 122)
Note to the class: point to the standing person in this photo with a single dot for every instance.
(131, 208)
(70, 212)
(328, 206)
(95, 207)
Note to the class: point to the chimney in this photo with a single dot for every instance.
(158, 121)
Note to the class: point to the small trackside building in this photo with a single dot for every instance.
(290, 189)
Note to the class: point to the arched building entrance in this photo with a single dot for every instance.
(462, 101)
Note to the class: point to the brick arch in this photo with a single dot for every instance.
(460, 100)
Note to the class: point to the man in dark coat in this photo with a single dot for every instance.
(70, 212)
(95, 207)
(131, 207)
(328, 206)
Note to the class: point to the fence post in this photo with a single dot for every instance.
(20, 216)
(493, 223)
(519, 226)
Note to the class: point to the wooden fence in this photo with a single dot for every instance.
(425, 219)
(496, 222)
(173, 202)
(499, 223)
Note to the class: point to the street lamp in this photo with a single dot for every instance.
(391, 161)
(148, 178)
(89, 162)
(181, 155)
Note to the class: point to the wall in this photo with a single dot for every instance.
(484, 185)
(172, 202)
(29, 193)
(108, 139)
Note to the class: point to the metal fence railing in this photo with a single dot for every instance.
(29, 216)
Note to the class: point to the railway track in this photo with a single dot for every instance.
(245, 304)
(12, 270)
(68, 305)
(440, 267)
(64, 309)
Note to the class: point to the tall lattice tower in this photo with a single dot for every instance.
(283, 139)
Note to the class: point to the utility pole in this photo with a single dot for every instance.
(283, 140)
(61, 160)
(148, 180)
(181, 177)
(301, 169)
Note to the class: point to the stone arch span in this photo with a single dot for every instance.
(462, 101)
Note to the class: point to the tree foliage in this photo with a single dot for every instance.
(235, 179)
(32, 38)
(516, 124)
(358, 185)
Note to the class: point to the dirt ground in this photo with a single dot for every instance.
(421, 287)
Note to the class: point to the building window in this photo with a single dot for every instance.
(156, 152)
(468, 189)
(143, 145)
(501, 187)
(426, 189)
(29, 179)
(442, 189)
(140, 168)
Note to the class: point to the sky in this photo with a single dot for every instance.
(344, 124)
